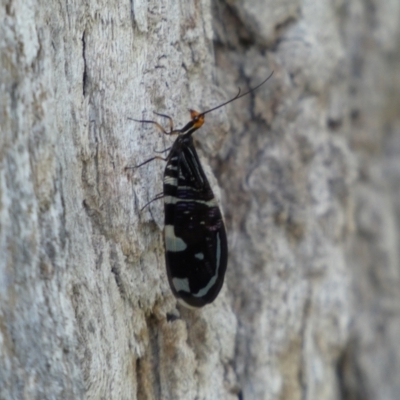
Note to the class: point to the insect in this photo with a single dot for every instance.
(196, 251)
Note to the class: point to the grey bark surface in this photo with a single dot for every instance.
(307, 170)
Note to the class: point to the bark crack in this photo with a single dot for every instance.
(85, 76)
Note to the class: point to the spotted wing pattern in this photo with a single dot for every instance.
(195, 238)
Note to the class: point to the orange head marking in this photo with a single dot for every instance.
(197, 118)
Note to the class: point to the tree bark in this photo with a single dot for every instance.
(307, 170)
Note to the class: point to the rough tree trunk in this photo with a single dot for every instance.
(309, 175)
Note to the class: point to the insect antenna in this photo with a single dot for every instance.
(238, 96)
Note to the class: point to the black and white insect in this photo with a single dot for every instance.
(196, 251)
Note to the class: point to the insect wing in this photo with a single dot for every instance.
(195, 238)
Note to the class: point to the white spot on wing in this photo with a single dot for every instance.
(174, 200)
(181, 284)
(199, 256)
(170, 199)
(169, 180)
(173, 243)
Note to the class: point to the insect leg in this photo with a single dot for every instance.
(147, 161)
(163, 151)
(144, 121)
(171, 122)
(158, 197)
